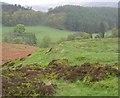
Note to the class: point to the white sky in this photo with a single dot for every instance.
(41, 2)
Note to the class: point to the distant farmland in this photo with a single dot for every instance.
(40, 32)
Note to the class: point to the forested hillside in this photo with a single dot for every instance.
(68, 17)
(10, 7)
(16, 14)
(85, 18)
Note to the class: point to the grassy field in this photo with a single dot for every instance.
(94, 51)
(40, 32)
(97, 52)
(103, 88)
(78, 52)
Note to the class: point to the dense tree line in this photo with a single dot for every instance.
(17, 14)
(23, 17)
(75, 18)
(86, 19)
(12, 8)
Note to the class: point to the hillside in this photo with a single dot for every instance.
(84, 19)
(104, 51)
(12, 8)
(40, 32)
(73, 68)
(68, 17)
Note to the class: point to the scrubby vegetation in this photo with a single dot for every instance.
(80, 65)
(29, 80)
(79, 36)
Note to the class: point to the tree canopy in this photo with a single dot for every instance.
(74, 18)
(19, 29)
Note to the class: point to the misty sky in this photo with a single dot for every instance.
(41, 2)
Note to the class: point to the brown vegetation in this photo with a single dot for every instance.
(28, 80)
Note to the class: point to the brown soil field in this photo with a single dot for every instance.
(16, 51)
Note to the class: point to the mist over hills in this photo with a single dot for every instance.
(45, 7)
(100, 4)
(3, 3)
(84, 4)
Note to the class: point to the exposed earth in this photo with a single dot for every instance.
(16, 51)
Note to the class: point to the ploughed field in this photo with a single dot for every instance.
(72, 68)
(16, 51)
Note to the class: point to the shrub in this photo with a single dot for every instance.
(17, 40)
(19, 29)
(98, 35)
(114, 32)
(29, 38)
(46, 41)
(62, 40)
(78, 36)
(85, 35)
(71, 37)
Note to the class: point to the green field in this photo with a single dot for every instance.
(94, 51)
(78, 52)
(103, 88)
(40, 32)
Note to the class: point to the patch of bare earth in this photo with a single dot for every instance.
(16, 51)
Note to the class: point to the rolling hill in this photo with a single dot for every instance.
(45, 7)
(77, 52)
(66, 70)
(40, 32)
